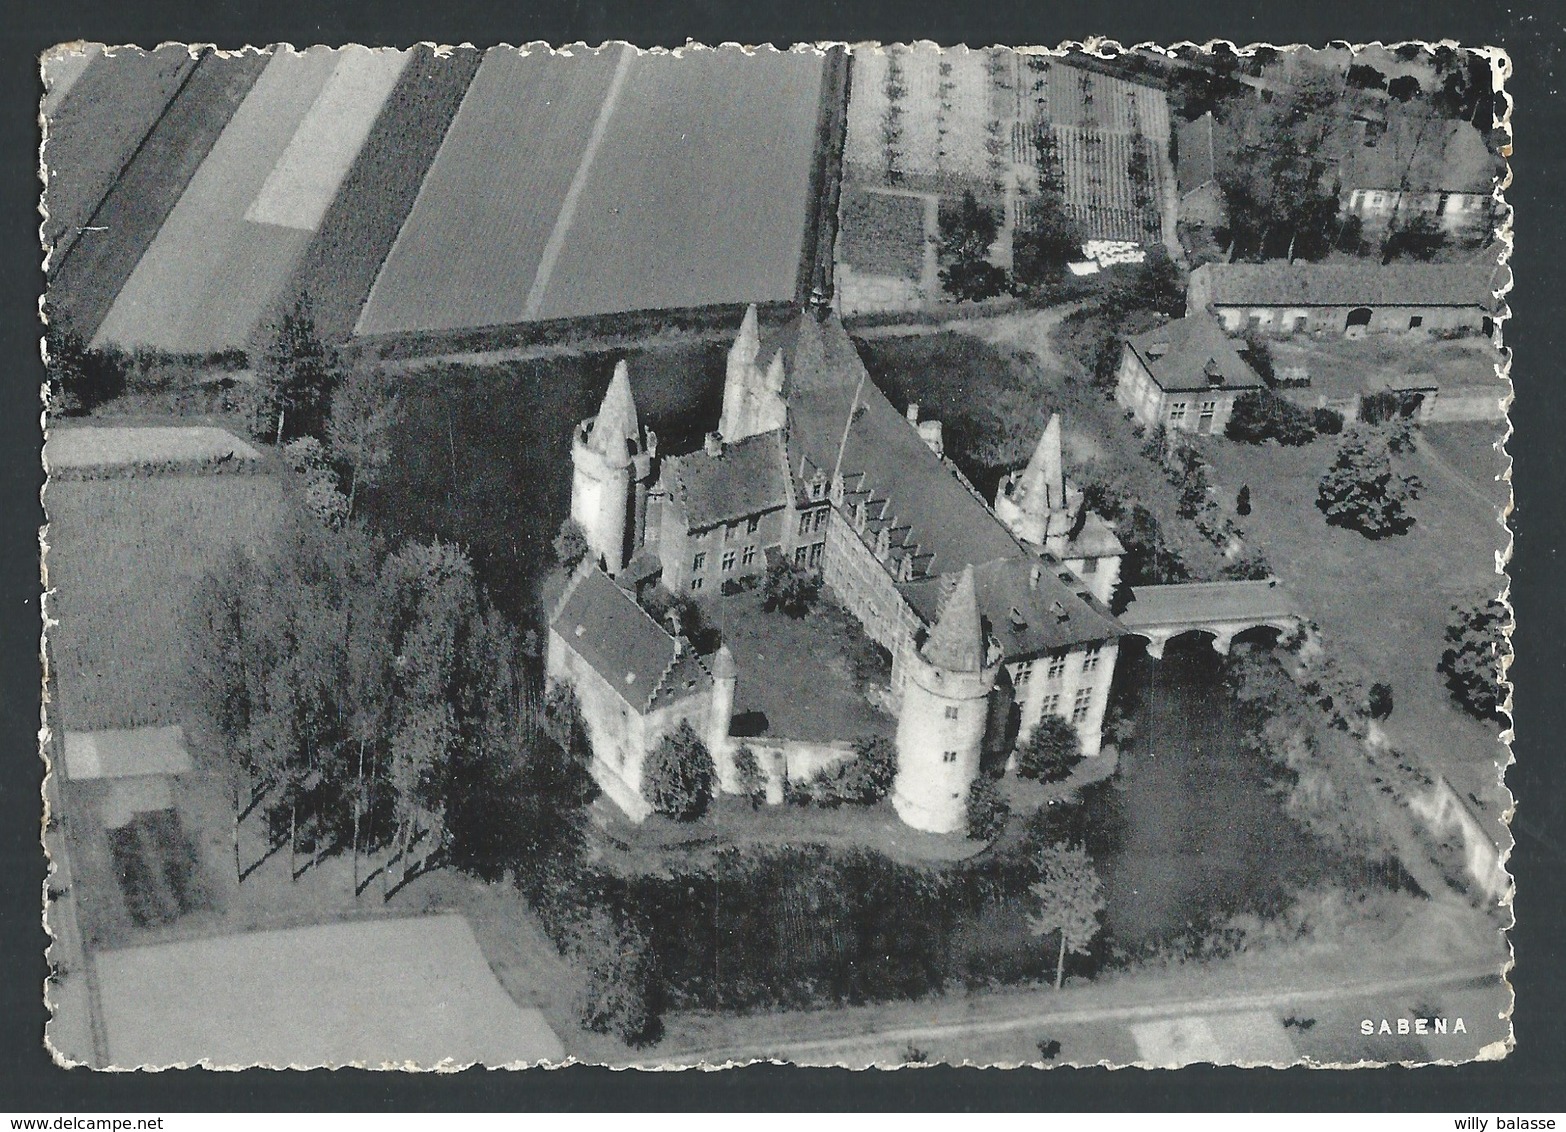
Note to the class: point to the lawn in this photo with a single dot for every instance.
(796, 675)
(1383, 606)
(124, 557)
(379, 992)
(86, 283)
(883, 233)
(1344, 367)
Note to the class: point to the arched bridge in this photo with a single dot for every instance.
(1220, 609)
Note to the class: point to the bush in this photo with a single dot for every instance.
(1051, 751)
(1380, 701)
(1326, 422)
(619, 993)
(680, 775)
(1472, 662)
(967, 231)
(570, 545)
(860, 781)
(751, 780)
(1363, 492)
(1242, 501)
(790, 588)
(1263, 415)
(987, 810)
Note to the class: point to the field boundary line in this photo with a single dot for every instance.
(584, 168)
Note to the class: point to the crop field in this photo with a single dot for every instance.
(470, 250)
(232, 242)
(60, 69)
(109, 447)
(373, 200)
(883, 233)
(575, 186)
(124, 557)
(97, 125)
(85, 283)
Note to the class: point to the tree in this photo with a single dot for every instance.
(1262, 415)
(80, 378)
(1046, 240)
(359, 429)
(1362, 491)
(1416, 237)
(987, 810)
(967, 232)
(892, 120)
(322, 497)
(750, 779)
(618, 993)
(1070, 897)
(1051, 751)
(1477, 643)
(679, 775)
(570, 545)
(1242, 501)
(790, 587)
(1380, 701)
(294, 377)
(868, 776)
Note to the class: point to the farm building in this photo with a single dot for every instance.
(1427, 381)
(1184, 376)
(1283, 299)
(1398, 167)
(988, 624)
(1196, 174)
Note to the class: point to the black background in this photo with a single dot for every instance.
(1533, 1078)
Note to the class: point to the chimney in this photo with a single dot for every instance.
(714, 444)
(913, 412)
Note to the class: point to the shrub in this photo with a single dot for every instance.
(860, 781)
(1242, 501)
(987, 810)
(1363, 492)
(1380, 701)
(1263, 415)
(750, 779)
(680, 775)
(570, 545)
(791, 588)
(1051, 751)
(619, 988)
(967, 231)
(1326, 422)
(1472, 662)
(1049, 1049)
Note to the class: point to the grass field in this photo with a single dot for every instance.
(85, 283)
(563, 189)
(373, 200)
(124, 557)
(883, 234)
(106, 447)
(1403, 586)
(96, 127)
(375, 992)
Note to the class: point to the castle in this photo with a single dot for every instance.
(993, 616)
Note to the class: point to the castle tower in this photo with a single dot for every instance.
(725, 674)
(945, 710)
(604, 453)
(1035, 502)
(752, 397)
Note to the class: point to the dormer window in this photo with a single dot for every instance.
(1018, 621)
(1213, 371)
(818, 490)
(1157, 350)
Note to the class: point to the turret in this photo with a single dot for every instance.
(725, 675)
(752, 397)
(944, 714)
(611, 467)
(1035, 503)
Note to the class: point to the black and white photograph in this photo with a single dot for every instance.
(851, 555)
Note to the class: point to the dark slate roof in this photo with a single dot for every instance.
(1348, 285)
(956, 642)
(1193, 353)
(624, 645)
(748, 478)
(1194, 147)
(1095, 539)
(1056, 613)
(1419, 155)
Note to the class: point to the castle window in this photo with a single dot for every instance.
(951, 711)
(799, 555)
(749, 556)
(1051, 704)
(1090, 659)
(695, 584)
(815, 553)
(1022, 673)
(1177, 412)
(818, 489)
(1090, 565)
(1057, 667)
(804, 522)
(752, 523)
(821, 518)
(949, 757)
(728, 560)
(1081, 705)
(699, 561)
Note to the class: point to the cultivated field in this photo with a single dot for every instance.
(374, 992)
(231, 243)
(574, 186)
(96, 126)
(373, 200)
(84, 284)
(124, 558)
(80, 449)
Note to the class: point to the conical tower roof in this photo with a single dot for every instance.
(1043, 483)
(616, 422)
(723, 666)
(957, 641)
(748, 341)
